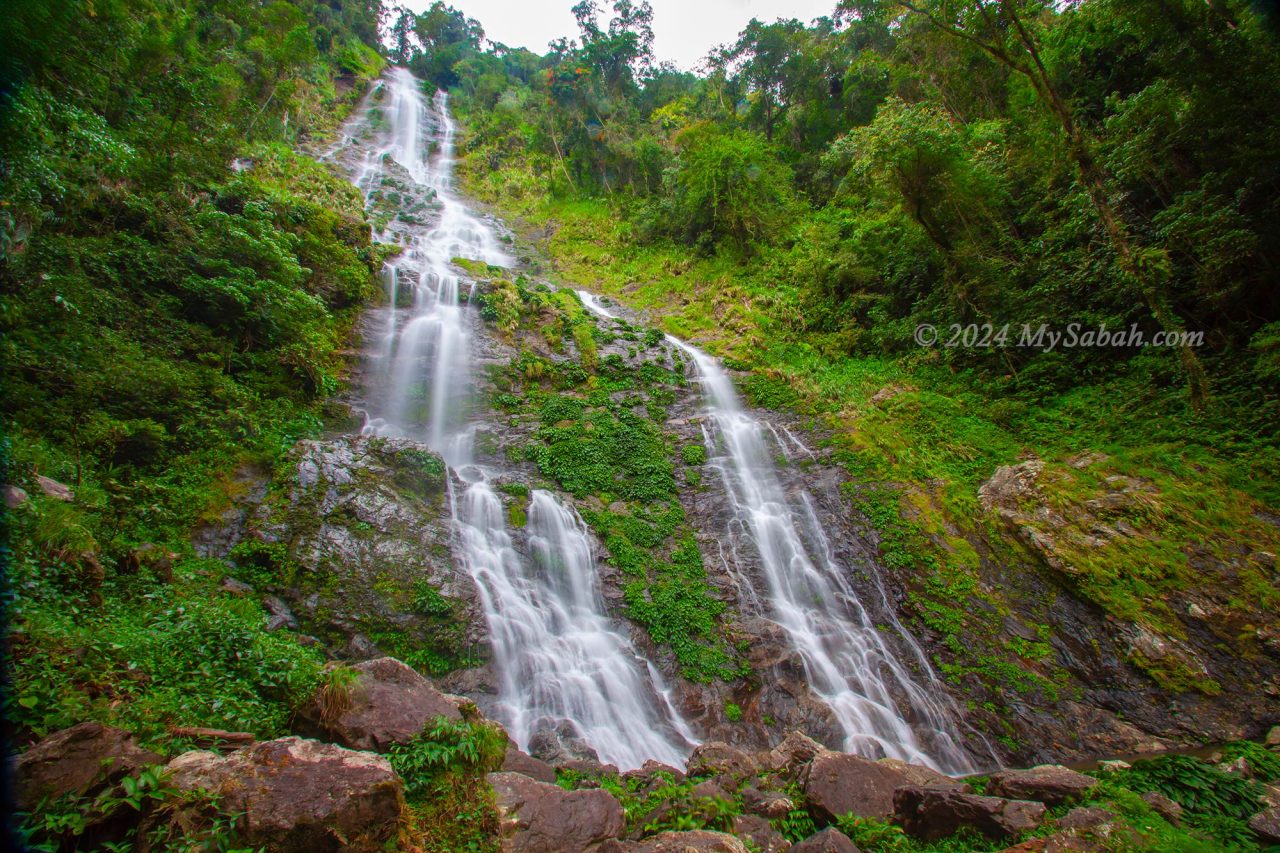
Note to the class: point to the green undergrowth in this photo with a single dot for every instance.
(598, 430)
(451, 805)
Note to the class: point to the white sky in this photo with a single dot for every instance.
(683, 30)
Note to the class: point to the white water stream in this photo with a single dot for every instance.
(557, 654)
(881, 708)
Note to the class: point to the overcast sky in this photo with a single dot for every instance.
(683, 30)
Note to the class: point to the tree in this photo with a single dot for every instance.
(1005, 32)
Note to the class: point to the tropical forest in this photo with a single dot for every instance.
(865, 438)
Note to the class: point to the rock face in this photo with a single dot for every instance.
(389, 704)
(537, 817)
(763, 837)
(837, 783)
(367, 530)
(1049, 783)
(301, 795)
(77, 760)
(933, 813)
(1266, 824)
(828, 841)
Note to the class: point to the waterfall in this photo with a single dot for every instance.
(881, 708)
(558, 656)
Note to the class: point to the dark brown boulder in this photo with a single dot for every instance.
(388, 704)
(1050, 784)
(791, 755)
(763, 837)
(837, 783)
(1083, 818)
(828, 841)
(1266, 825)
(518, 761)
(537, 817)
(770, 804)
(78, 760)
(300, 796)
(716, 758)
(695, 841)
(933, 813)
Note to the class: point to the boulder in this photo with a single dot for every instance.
(216, 739)
(537, 817)
(300, 796)
(1266, 825)
(519, 761)
(388, 704)
(770, 804)
(1163, 806)
(54, 489)
(1273, 737)
(652, 773)
(918, 774)
(837, 783)
(696, 841)
(1050, 784)
(716, 758)
(828, 841)
(559, 744)
(763, 837)
(14, 497)
(792, 754)
(77, 760)
(933, 813)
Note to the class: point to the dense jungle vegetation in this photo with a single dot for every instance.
(167, 321)
(172, 322)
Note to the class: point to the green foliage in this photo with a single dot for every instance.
(262, 564)
(732, 712)
(1264, 763)
(693, 454)
(1200, 788)
(443, 769)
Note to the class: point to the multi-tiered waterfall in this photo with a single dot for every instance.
(558, 656)
(881, 708)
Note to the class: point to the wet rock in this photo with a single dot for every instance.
(1266, 825)
(1049, 784)
(1273, 737)
(537, 817)
(1113, 766)
(837, 783)
(763, 837)
(519, 761)
(360, 647)
(14, 497)
(933, 813)
(715, 758)
(770, 804)
(388, 704)
(696, 841)
(559, 743)
(300, 796)
(828, 841)
(53, 489)
(81, 759)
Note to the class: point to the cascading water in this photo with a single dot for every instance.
(847, 662)
(557, 655)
